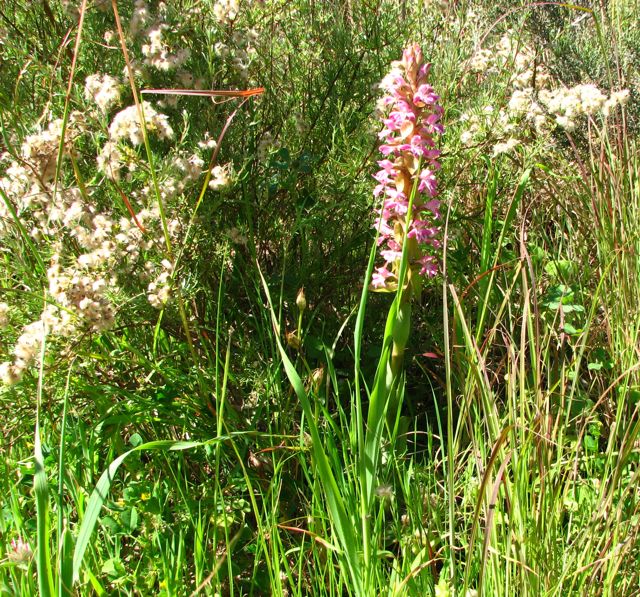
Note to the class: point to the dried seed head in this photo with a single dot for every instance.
(293, 340)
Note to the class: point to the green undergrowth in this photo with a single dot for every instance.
(214, 418)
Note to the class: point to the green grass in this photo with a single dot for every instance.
(232, 443)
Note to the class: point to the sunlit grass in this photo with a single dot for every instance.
(177, 423)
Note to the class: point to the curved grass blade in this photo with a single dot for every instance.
(45, 572)
(340, 519)
(99, 494)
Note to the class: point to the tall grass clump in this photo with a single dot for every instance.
(319, 298)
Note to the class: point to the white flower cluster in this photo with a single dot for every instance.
(40, 150)
(226, 11)
(126, 124)
(208, 142)
(159, 291)
(486, 119)
(240, 52)
(4, 315)
(191, 167)
(81, 288)
(533, 97)
(221, 176)
(505, 147)
(139, 18)
(27, 180)
(106, 249)
(511, 55)
(24, 353)
(18, 186)
(520, 60)
(481, 61)
(96, 251)
(564, 105)
(183, 171)
(82, 282)
(567, 104)
(104, 90)
(158, 54)
(265, 145)
(110, 160)
(81, 292)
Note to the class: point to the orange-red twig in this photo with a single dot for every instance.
(130, 209)
(208, 92)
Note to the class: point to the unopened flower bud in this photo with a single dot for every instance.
(301, 301)
(317, 377)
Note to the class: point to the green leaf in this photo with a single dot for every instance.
(135, 440)
(66, 565)
(130, 519)
(599, 359)
(571, 330)
(113, 568)
(282, 159)
(561, 269)
(590, 443)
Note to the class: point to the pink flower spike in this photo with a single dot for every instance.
(432, 119)
(429, 266)
(390, 256)
(382, 176)
(425, 133)
(395, 208)
(422, 235)
(395, 194)
(387, 149)
(433, 206)
(409, 127)
(379, 277)
(385, 230)
(428, 182)
(406, 108)
(386, 165)
(423, 71)
(425, 96)
(397, 119)
(20, 551)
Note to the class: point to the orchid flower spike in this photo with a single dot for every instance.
(410, 126)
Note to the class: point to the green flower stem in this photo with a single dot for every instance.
(400, 335)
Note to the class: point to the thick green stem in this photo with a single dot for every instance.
(401, 331)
